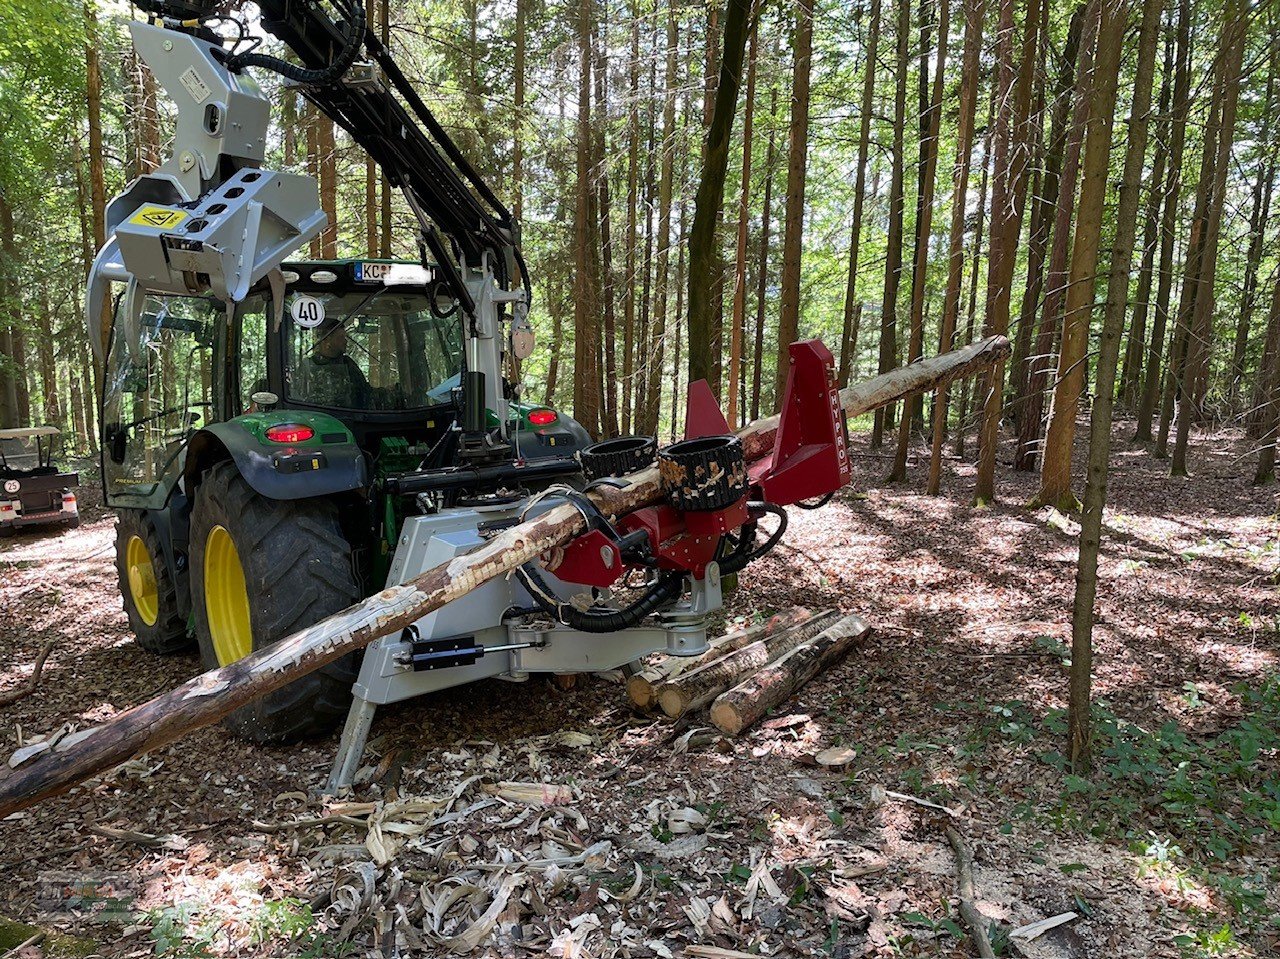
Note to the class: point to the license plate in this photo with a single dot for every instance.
(372, 272)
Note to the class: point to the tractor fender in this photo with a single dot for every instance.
(273, 470)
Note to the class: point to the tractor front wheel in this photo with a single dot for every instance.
(261, 570)
(147, 586)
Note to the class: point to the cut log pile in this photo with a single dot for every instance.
(747, 673)
(63, 762)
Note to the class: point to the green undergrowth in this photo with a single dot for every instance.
(1189, 806)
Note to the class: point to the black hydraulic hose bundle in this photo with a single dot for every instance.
(312, 77)
(666, 590)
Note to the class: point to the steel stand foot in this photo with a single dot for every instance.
(351, 747)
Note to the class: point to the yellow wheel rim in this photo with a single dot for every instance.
(142, 580)
(226, 600)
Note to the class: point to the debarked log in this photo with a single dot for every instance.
(643, 687)
(207, 698)
(698, 687)
(739, 707)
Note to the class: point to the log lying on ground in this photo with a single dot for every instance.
(642, 688)
(699, 686)
(207, 698)
(736, 709)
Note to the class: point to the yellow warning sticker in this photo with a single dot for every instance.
(158, 216)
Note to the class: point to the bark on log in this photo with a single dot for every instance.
(642, 688)
(209, 697)
(741, 706)
(698, 687)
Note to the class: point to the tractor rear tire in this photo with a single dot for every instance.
(262, 569)
(148, 587)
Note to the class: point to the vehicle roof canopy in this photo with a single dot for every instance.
(25, 432)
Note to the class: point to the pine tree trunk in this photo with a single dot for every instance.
(1042, 221)
(586, 369)
(852, 307)
(762, 268)
(797, 166)
(633, 191)
(1258, 221)
(1042, 361)
(1014, 135)
(974, 11)
(1168, 225)
(1269, 392)
(705, 269)
(1079, 721)
(649, 415)
(888, 357)
(609, 367)
(930, 127)
(962, 417)
(1200, 341)
(735, 410)
(1055, 471)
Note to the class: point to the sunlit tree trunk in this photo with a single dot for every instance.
(888, 358)
(762, 268)
(1172, 190)
(852, 307)
(1201, 328)
(975, 272)
(974, 10)
(735, 387)
(1055, 470)
(797, 168)
(931, 125)
(1079, 721)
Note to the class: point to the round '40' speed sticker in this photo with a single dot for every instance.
(307, 311)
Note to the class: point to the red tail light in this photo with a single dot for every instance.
(543, 417)
(290, 433)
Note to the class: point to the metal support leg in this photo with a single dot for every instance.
(351, 748)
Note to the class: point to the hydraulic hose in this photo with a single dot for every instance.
(665, 591)
(311, 77)
(747, 551)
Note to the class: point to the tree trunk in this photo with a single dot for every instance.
(609, 367)
(930, 127)
(633, 194)
(852, 308)
(1135, 347)
(97, 174)
(1042, 221)
(1172, 195)
(762, 274)
(1269, 407)
(888, 358)
(586, 350)
(1201, 327)
(653, 394)
(1042, 361)
(1261, 212)
(735, 411)
(696, 688)
(962, 417)
(744, 704)
(704, 265)
(207, 698)
(1013, 137)
(974, 11)
(797, 165)
(641, 363)
(1079, 721)
(1055, 471)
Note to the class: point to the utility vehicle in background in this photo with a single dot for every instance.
(34, 492)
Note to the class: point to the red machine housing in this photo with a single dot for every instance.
(810, 458)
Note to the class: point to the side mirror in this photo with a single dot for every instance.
(117, 437)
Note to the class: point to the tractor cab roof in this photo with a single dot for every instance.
(26, 432)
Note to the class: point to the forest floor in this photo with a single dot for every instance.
(666, 841)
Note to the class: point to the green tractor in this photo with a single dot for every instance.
(260, 455)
